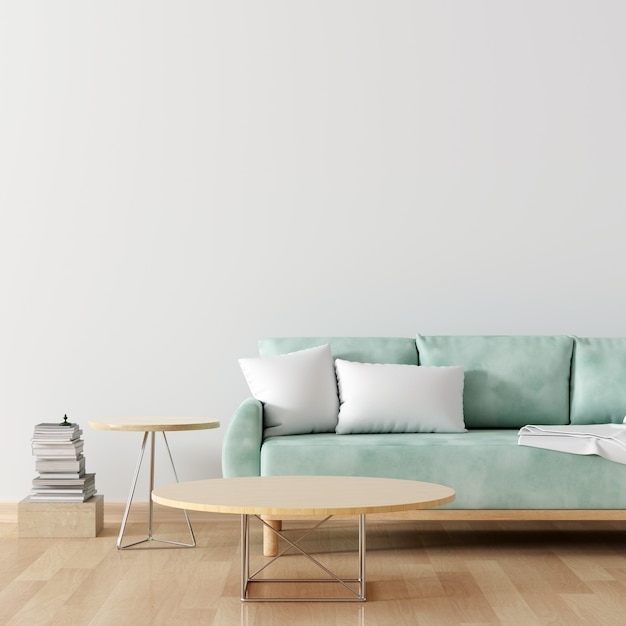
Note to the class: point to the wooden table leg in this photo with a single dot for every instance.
(270, 539)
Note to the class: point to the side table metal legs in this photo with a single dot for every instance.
(149, 537)
(356, 593)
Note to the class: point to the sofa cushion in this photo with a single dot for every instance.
(487, 468)
(298, 391)
(362, 349)
(598, 381)
(510, 381)
(394, 398)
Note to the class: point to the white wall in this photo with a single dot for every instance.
(178, 179)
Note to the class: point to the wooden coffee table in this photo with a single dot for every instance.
(152, 425)
(306, 496)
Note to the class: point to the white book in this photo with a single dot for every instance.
(60, 464)
(61, 475)
(77, 482)
(62, 497)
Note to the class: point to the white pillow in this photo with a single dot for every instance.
(298, 390)
(394, 398)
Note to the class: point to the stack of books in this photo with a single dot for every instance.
(58, 449)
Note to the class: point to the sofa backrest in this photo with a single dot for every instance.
(361, 349)
(510, 381)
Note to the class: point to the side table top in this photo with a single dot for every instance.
(303, 495)
(145, 424)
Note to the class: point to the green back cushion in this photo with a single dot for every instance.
(510, 381)
(361, 349)
(599, 381)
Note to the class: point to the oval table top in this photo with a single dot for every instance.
(148, 424)
(303, 495)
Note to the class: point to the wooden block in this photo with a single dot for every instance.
(61, 519)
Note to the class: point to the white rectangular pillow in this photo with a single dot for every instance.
(394, 398)
(298, 391)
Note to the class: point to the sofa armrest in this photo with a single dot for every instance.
(241, 450)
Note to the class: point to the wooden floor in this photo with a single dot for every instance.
(418, 573)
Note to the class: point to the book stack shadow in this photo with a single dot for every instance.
(60, 463)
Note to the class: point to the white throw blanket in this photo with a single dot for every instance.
(605, 440)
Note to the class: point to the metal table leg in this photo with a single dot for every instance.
(357, 593)
(150, 537)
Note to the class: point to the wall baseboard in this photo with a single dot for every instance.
(114, 512)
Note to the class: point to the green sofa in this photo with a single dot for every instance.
(509, 382)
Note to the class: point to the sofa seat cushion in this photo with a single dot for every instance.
(487, 468)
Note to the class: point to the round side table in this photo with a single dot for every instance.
(150, 426)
